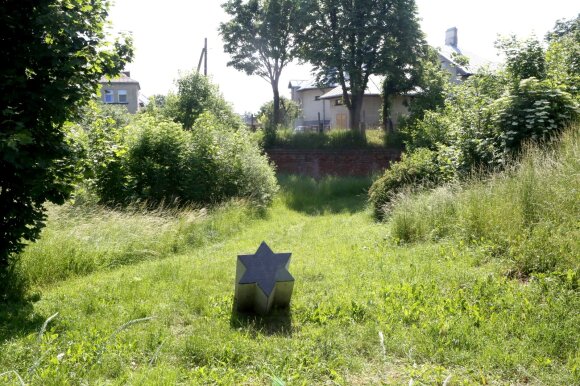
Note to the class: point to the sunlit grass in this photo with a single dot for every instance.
(445, 310)
(527, 214)
(335, 139)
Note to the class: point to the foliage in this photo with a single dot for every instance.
(289, 111)
(334, 139)
(535, 230)
(418, 168)
(260, 38)
(99, 133)
(431, 86)
(54, 55)
(563, 56)
(161, 162)
(534, 111)
(485, 121)
(565, 28)
(434, 312)
(524, 59)
(196, 95)
(348, 41)
(421, 127)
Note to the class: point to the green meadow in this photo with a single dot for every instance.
(450, 290)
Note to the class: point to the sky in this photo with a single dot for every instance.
(169, 36)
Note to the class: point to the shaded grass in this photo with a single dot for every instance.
(328, 195)
(528, 214)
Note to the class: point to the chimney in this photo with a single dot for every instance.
(451, 37)
(126, 73)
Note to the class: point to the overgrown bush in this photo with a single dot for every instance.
(534, 111)
(527, 214)
(419, 168)
(289, 111)
(161, 162)
(334, 139)
(99, 140)
(195, 95)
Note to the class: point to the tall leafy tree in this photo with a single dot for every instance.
(260, 38)
(563, 56)
(347, 41)
(524, 58)
(54, 53)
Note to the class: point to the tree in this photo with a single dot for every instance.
(55, 52)
(524, 58)
(563, 56)
(423, 74)
(260, 38)
(289, 111)
(196, 94)
(347, 41)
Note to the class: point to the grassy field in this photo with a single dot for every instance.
(146, 299)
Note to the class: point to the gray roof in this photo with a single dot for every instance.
(310, 84)
(121, 79)
(476, 62)
(373, 88)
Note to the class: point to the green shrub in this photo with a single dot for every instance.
(534, 111)
(527, 214)
(99, 134)
(334, 139)
(419, 168)
(161, 162)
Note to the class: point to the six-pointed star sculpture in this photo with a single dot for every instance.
(263, 280)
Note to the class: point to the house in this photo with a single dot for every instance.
(452, 56)
(315, 111)
(121, 90)
(324, 105)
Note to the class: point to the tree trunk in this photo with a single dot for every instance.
(276, 113)
(387, 122)
(355, 110)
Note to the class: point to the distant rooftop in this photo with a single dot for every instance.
(451, 49)
(310, 84)
(123, 78)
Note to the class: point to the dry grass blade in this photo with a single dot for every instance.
(43, 329)
(16, 374)
(122, 328)
(447, 380)
(382, 342)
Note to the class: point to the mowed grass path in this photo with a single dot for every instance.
(364, 311)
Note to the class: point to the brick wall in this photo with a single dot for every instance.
(344, 162)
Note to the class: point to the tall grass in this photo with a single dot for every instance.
(334, 139)
(528, 213)
(81, 240)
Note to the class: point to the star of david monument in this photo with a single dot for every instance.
(263, 281)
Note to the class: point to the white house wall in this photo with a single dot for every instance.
(310, 106)
(370, 113)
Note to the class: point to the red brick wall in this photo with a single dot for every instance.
(344, 162)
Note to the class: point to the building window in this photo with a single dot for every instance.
(338, 102)
(122, 96)
(109, 98)
(317, 98)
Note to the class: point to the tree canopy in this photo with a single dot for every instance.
(55, 52)
(347, 41)
(260, 38)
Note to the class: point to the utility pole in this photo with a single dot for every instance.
(204, 58)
